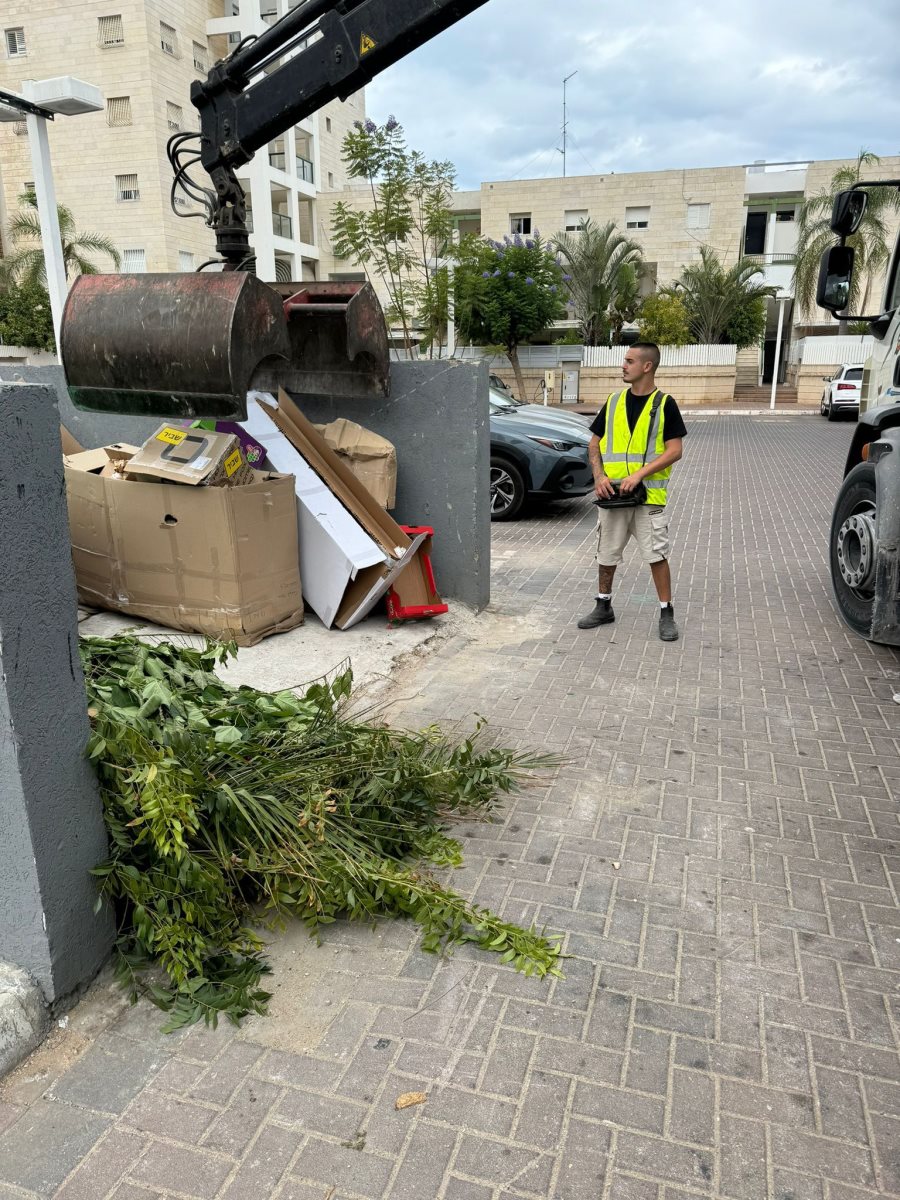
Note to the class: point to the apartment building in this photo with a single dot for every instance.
(111, 168)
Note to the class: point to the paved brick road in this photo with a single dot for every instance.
(718, 853)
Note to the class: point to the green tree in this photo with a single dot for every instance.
(402, 235)
(507, 292)
(715, 298)
(747, 325)
(25, 264)
(603, 268)
(872, 241)
(665, 320)
(25, 317)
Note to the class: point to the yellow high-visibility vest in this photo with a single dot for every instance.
(622, 449)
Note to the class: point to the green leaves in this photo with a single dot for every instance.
(223, 802)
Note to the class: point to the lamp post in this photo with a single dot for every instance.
(782, 301)
(39, 103)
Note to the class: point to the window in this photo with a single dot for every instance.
(118, 110)
(784, 214)
(174, 115)
(331, 180)
(201, 59)
(110, 31)
(20, 128)
(328, 124)
(854, 373)
(698, 216)
(637, 217)
(575, 220)
(28, 185)
(127, 187)
(134, 262)
(185, 260)
(520, 223)
(168, 39)
(755, 233)
(15, 43)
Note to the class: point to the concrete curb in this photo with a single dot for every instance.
(24, 1020)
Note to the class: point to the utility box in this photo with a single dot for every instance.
(570, 386)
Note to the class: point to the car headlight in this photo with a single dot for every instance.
(551, 444)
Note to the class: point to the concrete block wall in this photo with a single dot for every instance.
(809, 380)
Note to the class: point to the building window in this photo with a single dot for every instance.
(698, 216)
(201, 59)
(20, 128)
(185, 260)
(520, 223)
(575, 220)
(134, 262)
(785, 214)
(15, 43)
(118, 110)
(328, 124)
(637, 217)
(168, 39)
(110, 31)
(127, 187)
(331, 180)
(174, 115)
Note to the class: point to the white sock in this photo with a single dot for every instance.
(665, 604)
(604, 595)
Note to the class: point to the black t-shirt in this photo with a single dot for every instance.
(673, 422)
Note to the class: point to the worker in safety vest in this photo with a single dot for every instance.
(637, 438)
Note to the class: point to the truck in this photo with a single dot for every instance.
(864, 540)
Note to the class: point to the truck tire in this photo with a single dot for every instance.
(508, 490)
(852, 549)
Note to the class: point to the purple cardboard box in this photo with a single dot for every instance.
(254, 452)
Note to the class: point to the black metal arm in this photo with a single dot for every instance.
(336, 47)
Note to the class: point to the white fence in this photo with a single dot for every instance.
(826, 351)
(671, 356)
(542, 358)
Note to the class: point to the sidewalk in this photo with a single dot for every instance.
(721, 851)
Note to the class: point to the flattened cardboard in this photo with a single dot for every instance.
(371, 458)
(350, 549)
(192, 456)
(217, 561)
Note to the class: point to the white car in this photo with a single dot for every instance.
(843, 391)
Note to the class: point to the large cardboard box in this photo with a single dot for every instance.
(193, 456)
(371, 458)
(221, 561)
(351, 550)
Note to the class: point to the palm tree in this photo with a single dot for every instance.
(26, 264)
(713, 295)
(603, 266)
(871, 241)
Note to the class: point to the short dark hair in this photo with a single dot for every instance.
(649, 350)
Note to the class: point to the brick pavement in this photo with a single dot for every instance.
(721, 851)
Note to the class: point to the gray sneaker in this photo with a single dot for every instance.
(668, 630)
(602, 614)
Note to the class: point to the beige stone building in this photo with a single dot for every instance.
(111, 168)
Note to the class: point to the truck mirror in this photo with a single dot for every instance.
(835, 274)
(847, 212)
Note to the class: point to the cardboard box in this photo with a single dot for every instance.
(351, 550)
(194, 456)
(70, 444)
(254, 453)
(219, 561)
(414, 594)
(371, 458)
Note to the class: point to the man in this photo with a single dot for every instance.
(637, 439)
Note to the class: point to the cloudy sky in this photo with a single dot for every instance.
(660, 84)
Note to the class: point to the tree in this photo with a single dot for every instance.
(507, 292)
(403, 238)
(747, 325)
(603, 268)
(25, 317)
(871, 241)
(665, 320)
(26, 264)
(716, 298)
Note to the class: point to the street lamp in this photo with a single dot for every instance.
(39, 103)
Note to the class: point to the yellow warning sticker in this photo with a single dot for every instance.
(174, 437)
(366, 45)
(232, 462)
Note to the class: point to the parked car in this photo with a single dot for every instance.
(532, 456)
(549, 412)
(499, 385)
(843, 391)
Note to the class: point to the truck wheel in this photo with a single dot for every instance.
(507, 490)
(852, 549)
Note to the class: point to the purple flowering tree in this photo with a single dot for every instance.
(507, 293)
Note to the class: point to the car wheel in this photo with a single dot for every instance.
(508, 490)
(822, 405)
(852, 549)
(829, 409)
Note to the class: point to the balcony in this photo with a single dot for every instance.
(277, 160)
(305, 170)
(777, 269)
(282, 225)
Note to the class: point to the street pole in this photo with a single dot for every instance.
(451, 299)
(781, 303)
(565, 120)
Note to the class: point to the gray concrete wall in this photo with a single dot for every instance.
(51, 827)
(436, 416)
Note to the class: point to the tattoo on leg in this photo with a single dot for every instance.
(606, 580)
